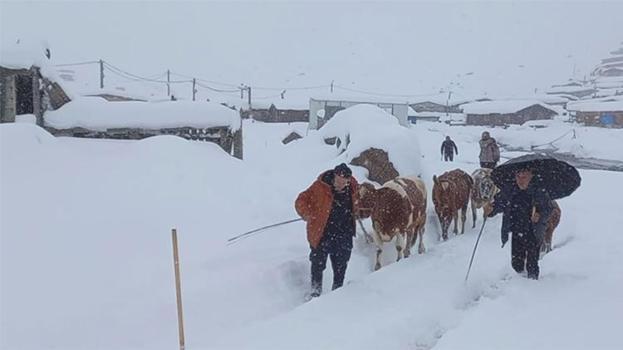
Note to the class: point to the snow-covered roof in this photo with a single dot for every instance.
(336, 97)
(568, 89)
(98, 114)
(607, 104)
(442, 99)
(22, 56)
(609, 92)
(501, 106)
(616, 82)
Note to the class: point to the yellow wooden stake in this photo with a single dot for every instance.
(178, 289)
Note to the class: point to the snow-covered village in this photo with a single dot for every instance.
(409, 175)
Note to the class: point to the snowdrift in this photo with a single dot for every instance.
(362, 127)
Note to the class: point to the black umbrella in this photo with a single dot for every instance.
(557, 177)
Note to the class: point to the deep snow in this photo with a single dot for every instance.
(86, 257)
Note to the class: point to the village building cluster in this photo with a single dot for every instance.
(31, 87)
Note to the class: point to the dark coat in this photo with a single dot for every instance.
(517, 206)
(449, 147)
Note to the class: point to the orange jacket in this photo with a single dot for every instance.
(314, 206)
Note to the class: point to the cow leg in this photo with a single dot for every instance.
(401, 239)
(474, 213)
(443, 235)
(547, 240)
(463, 218)
(455, 217)
(421, 249)
(379, 248)
(409, 243)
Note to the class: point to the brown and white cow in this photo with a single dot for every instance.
(483, 190)
(397, 210)
(552, 223)
(451, 193)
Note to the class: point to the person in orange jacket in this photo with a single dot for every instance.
(329, 206)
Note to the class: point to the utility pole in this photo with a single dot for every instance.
(101, 74)
(194, 90)
(448, 103)
(332, 81)
(168, 82)
(249, 96)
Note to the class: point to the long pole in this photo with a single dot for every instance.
(475, 246)
(235, 238)
(178, 289)
(365, 232)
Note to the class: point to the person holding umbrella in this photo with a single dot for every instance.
(528, 184)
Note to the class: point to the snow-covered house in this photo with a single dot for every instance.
(573, 88)
(28, 86)
(604, 112)
(280, 111)
(611, 66)
(97, 118)
(323, 108)
(505, 112)
(430, 106)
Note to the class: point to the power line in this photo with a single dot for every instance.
(122, 72)
(234, 88)
(292, 88)
(383, 94)
(218, 90)
(266, 97)
(205, 80)
(76, 64)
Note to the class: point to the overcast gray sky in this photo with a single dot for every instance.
(401, 47)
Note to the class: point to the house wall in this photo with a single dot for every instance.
(222, 136)
(26, 91)
(535, 112)
(595, 118)
(273, 115)
(7, 99)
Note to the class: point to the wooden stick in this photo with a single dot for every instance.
(178, 289)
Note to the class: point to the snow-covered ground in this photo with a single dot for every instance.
(86, 257)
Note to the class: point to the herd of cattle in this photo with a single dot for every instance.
(398, 208)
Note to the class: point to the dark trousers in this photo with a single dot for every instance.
(448, 157)
(339, 253)
(489, 165)
(525, 254)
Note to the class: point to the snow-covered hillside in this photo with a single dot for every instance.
(86, 257)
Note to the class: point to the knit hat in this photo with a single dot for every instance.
(342, 170)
